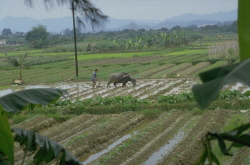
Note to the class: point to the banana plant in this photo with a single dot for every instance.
(18, 63)
(47, 149)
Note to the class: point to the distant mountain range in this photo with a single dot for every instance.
(24, 24)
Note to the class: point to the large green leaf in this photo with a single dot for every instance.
(239, 130)
(214, 80)
(243, 28)
(15, 102)
(6, 139)
(47, 149)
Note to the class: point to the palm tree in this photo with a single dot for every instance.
(86, 13)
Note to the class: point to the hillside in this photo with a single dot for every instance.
(58, 25)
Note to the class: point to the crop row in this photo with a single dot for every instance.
(173, 137)
(193, 69)
(153, 66)
(172, 71)
(48, 73)
(215, 65)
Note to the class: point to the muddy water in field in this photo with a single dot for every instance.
(143, 89)
(93, 157)
(164, 150)
(237, 86)
(128, 134)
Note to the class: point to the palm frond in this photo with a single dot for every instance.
(86, 11)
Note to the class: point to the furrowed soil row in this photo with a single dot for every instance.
(150, 70)
(121, 153)
(117, 91)
(109, 132)
(54, 130)
(173, 70)
(129, 68)
(174, 58)
(108, 61)
(150, 59)
(34, 124)
(37, 123)
(169, 59)
(86, 135)
(73, 126)
(7, 81)
(241, 157)
(45, 75)
(148, 151)
(125, 60)
(190, 58)
(154, 93)
(184, 86)
(137, 89)
(203, 58)
(165, 88)
(155, 70)
(184, 59)
(145, 91)
(144, 69)
(193, 69)
(212, 66)
(188, 151)
(81, 94)
(93, 134)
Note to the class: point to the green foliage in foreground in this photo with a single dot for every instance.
(235, 136)
(213, 82)
(215, 79)
(47, 149)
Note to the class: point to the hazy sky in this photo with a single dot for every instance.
(122, 9)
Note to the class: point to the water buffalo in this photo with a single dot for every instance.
(120, 77)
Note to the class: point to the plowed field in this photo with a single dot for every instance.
(131, 138)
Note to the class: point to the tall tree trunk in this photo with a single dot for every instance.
(74, 27)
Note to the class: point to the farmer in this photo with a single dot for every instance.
(94, 78)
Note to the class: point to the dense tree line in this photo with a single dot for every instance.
(125, 39)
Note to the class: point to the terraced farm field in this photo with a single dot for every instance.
(155, 134)
(172, 137)
(131, 138)
(154, 66)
